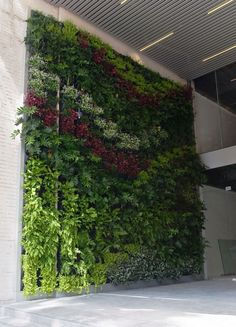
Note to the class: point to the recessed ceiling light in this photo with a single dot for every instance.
(221, 5)
(157, 41)
(220, 53)
(233, 80)
(123, 1)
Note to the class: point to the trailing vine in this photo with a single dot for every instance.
(74, 272)
(41, 228)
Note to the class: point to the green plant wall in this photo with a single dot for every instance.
(111, 174)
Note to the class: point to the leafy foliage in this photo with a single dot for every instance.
(41, 228)
(147, 266)
(112, 174)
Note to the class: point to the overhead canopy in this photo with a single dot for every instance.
(185, 31)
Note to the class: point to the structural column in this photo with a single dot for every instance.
(13, 15)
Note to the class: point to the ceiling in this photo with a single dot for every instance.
(138, 23)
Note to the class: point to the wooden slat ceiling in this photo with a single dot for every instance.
(138, 23)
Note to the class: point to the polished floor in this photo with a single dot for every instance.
(196, 304)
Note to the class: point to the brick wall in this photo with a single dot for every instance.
(11, 92)
(13, 14)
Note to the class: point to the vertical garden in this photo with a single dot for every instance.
(111, 176)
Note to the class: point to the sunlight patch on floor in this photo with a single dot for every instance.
(203, 320)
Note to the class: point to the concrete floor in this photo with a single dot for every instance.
(197, 304)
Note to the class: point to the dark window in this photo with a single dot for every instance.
(222, 177)
(219, 86)
(206, 85)
(226, 83)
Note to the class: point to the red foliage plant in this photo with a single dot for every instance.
(84, 43)
(67, 122)
(98, 55)
(126, 164)
(109, 68)
(32, 99)
(127, 86)
(148, 100)
(82, 130)
(49, 116)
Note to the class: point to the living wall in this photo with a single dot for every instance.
(111, 174)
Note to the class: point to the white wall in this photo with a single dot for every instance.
(11, 92)
(219, 158)
(12, 68)
(215, 127)
(13, 14)
(220, 224)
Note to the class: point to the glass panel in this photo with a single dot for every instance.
(228, 256)
(222, 177)
(226, 82)
(206, 85)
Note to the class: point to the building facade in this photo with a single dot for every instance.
(214, 130)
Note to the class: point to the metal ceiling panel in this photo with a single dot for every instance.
(138, 23)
